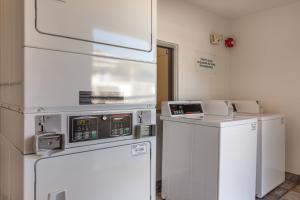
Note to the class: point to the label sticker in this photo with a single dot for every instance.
(253, 126)
(138, 149)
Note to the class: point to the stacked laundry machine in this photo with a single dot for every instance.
(78, 95)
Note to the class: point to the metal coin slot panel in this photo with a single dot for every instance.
(48, 143)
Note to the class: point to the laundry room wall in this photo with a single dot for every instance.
(189, 26)
(265, 65)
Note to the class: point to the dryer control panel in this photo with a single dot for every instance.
(94, 127)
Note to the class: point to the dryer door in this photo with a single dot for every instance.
(116, 173)
(126, 24)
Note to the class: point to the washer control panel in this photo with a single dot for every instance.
(94, 127)
(183, 109)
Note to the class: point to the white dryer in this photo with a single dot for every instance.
(119, 29)
(207, 157)
(271, 146)
(77, 55)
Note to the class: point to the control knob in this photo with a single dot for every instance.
(104, 117)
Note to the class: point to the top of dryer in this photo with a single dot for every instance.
(116, 29)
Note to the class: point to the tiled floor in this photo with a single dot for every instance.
(158, 197)
(289, 190)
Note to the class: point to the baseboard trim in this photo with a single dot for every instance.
(292, 177)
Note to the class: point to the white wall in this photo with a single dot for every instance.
(266, 66)
(189, 26)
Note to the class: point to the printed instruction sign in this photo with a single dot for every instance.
(206, 63)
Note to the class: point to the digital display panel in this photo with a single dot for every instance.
(83, 129)
(94, 127)
(82, 122)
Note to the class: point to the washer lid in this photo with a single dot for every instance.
(126, 24)
(212, 120)
(262, 117)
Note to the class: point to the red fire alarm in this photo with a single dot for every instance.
(229, 42)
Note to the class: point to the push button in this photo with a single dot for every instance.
(86, 135)
(126, 131)
(94, 134)
(79, 136)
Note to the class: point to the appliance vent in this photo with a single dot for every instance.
(89, 97)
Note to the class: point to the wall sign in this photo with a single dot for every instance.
(206, 63)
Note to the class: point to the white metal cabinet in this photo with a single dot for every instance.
(110, 174)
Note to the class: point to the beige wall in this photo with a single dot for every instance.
(189, 26)
(266, 66)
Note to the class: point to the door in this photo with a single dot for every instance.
(164, 93)
(126, 24)
(164, 75)
(116, 173)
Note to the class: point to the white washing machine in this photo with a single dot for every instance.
(271, 146)
(207, 157)
(93, 155)
(271, 140)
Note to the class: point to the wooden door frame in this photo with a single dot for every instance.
(175, 81)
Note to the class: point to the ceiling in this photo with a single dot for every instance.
(237, 8)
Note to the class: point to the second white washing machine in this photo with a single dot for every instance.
(270, 143)
(207, 157)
